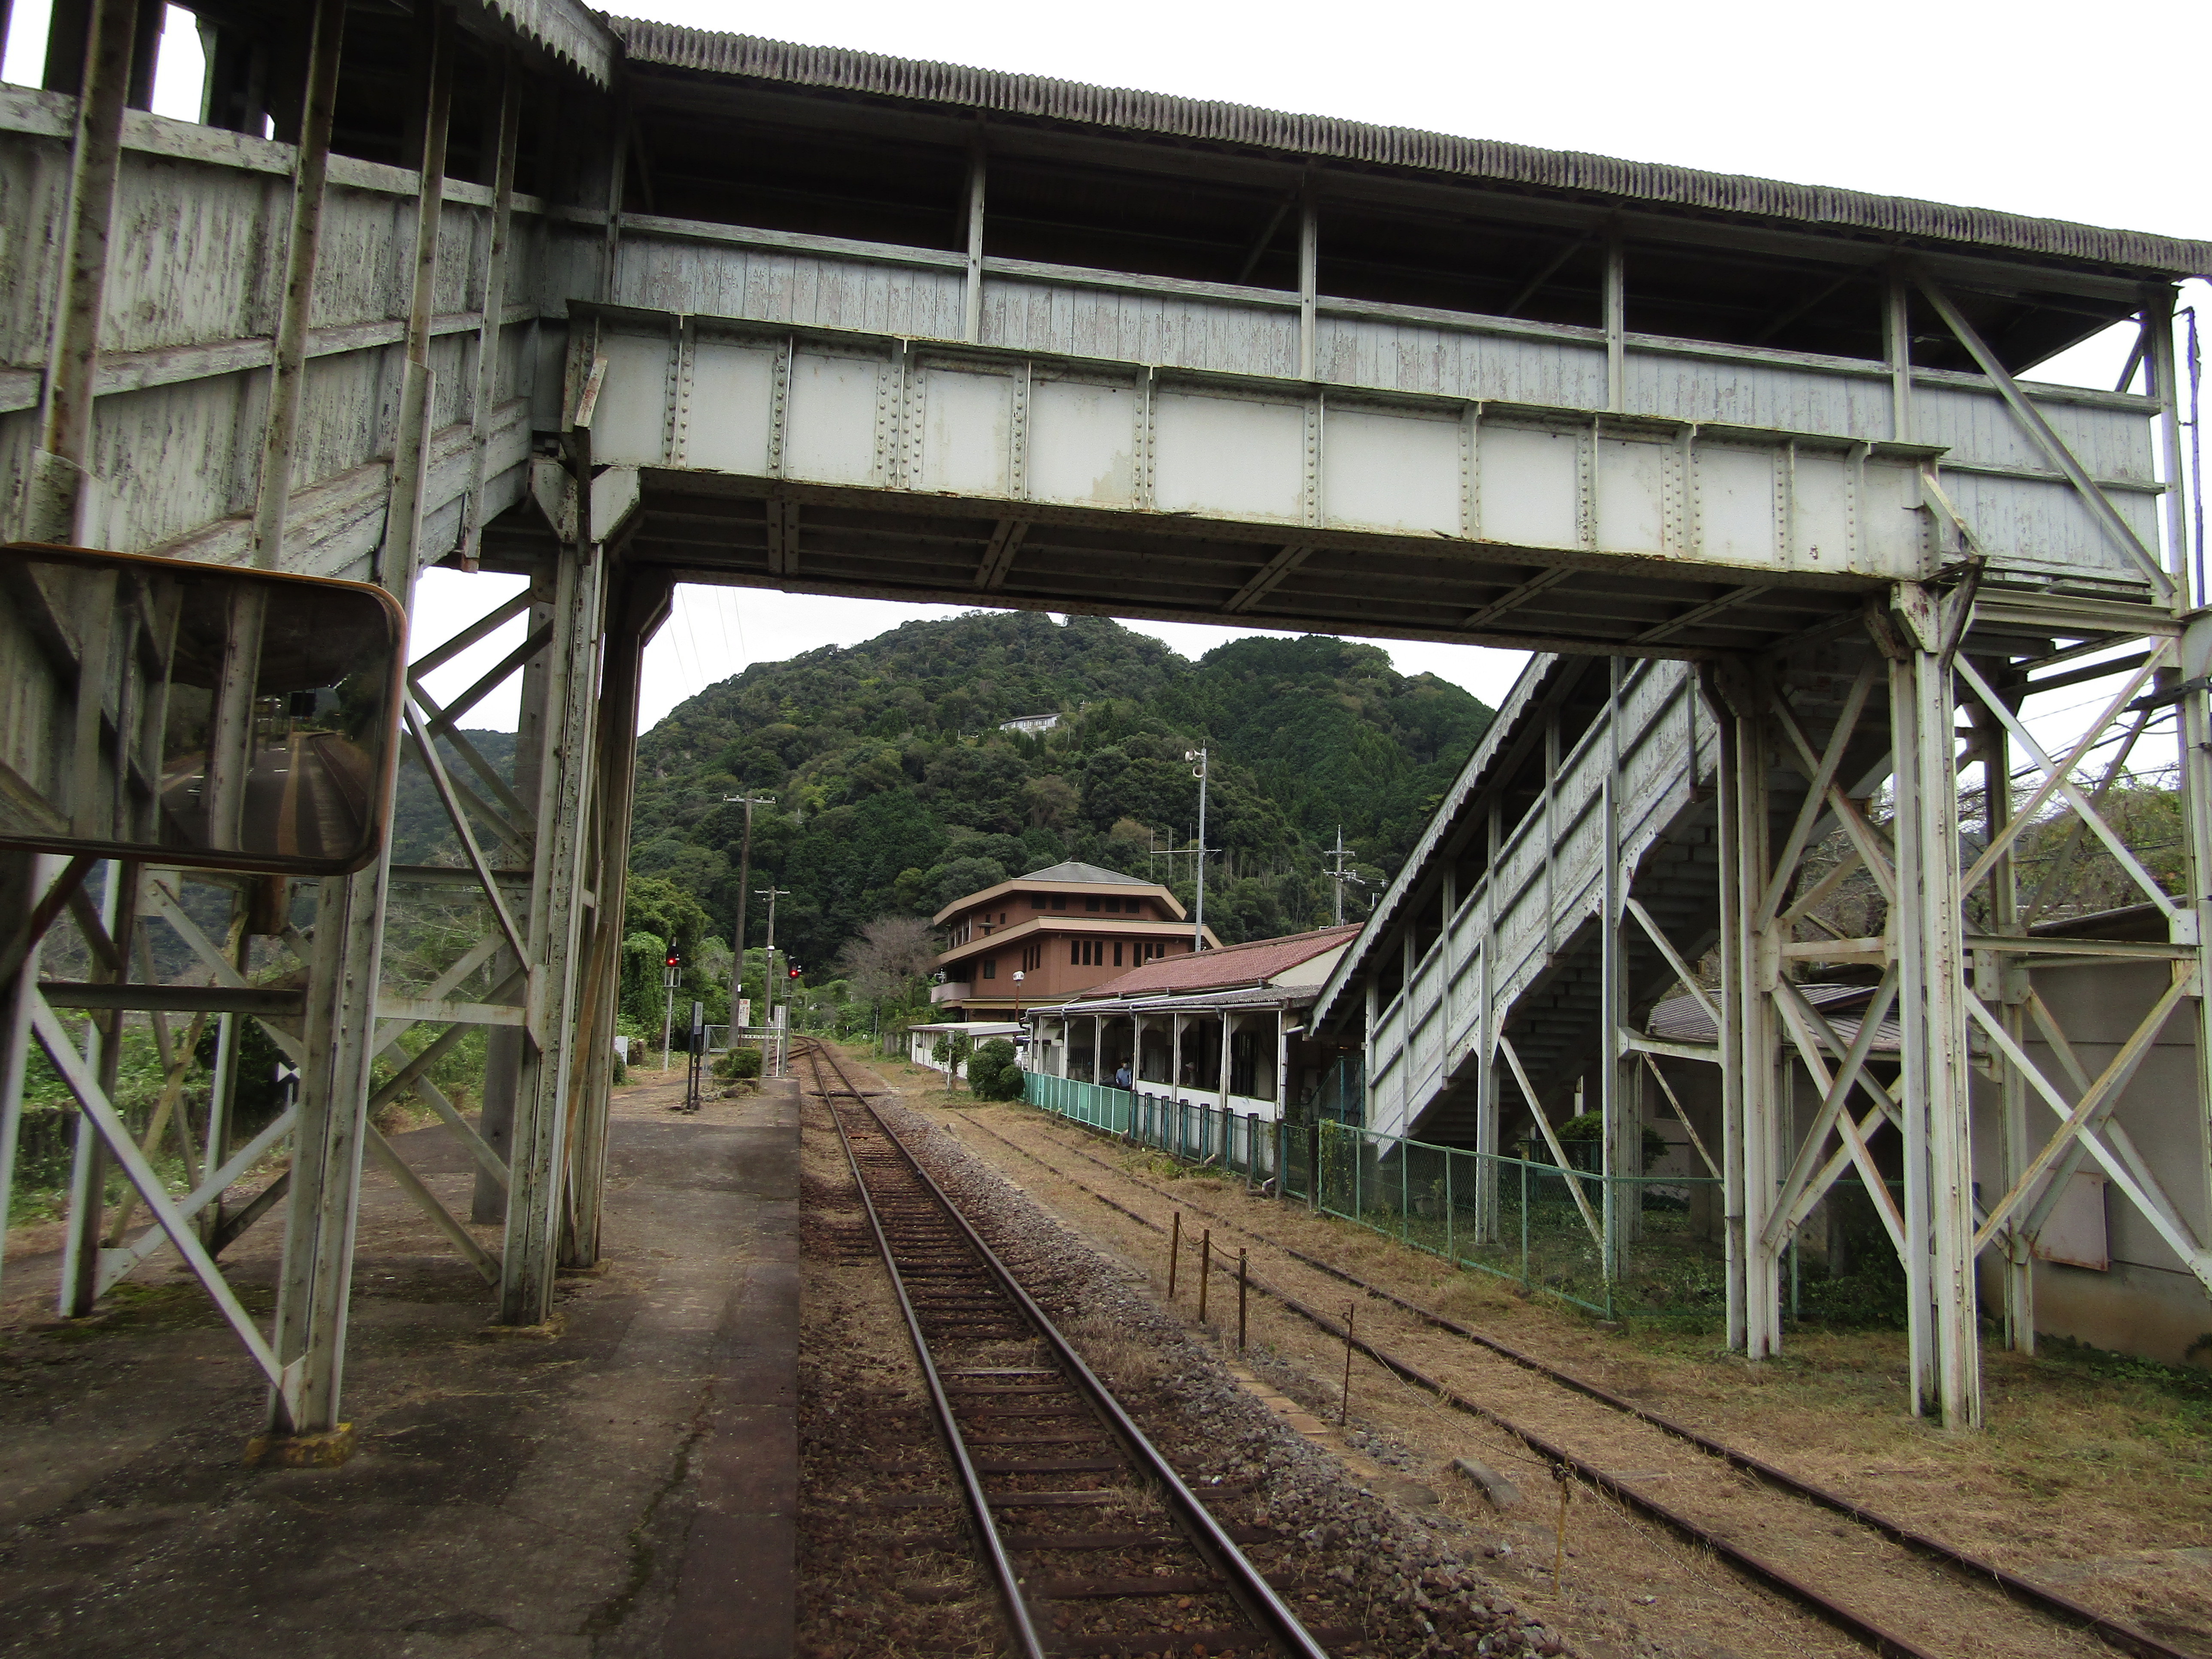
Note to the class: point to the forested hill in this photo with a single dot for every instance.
(896, 791)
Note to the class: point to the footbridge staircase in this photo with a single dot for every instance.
(1572, 879)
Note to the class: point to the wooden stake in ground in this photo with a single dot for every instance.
(1351, 1313)
(1205, 1269)
(1559, 1552)
(1240, 1301)
(1175, 1251)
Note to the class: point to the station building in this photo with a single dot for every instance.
(1050, 935)
(1225, 1029)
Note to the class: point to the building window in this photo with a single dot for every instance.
(1086, 953)
(990, 968)
(1117, 953)
(1059, 901)
(1036, 901)
(1091, 904)
(1113, 907)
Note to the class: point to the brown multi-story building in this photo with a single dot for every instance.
(1051, 935)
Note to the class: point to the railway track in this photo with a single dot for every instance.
(1095, 1544)
(2002, 1612)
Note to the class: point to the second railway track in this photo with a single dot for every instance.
(1927, 1599)
(1095, 1543)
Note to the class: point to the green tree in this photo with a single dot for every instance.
(994, 1073)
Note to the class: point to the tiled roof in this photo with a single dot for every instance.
(1233, 964)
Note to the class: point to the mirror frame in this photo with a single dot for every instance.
(379, 815)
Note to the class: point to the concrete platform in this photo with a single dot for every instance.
(627, 1488)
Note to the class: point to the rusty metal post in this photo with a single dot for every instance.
(1351, 1318)
(1241, 1286)
(1175, 1251)
(1205, 1270)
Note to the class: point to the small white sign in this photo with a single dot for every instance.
(622, 1049)
(745, 1010)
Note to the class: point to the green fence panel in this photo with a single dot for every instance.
(1516, 1218)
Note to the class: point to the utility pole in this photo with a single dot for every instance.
(1340, 873)
(744, 883)
(771, 893)
(1198, 918)
(671, 973)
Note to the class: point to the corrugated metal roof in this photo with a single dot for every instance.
(1680, 1019)
(568, 29)
(1073, 871)
(1569, 172)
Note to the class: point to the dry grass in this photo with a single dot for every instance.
(2094, 1471)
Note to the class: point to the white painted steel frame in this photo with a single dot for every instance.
(799, 360)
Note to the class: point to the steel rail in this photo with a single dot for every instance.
(2061, 1608)
(1245, 1583)
(2052, 1603)
(971, 1483)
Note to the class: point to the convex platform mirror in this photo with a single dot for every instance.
(178, 713)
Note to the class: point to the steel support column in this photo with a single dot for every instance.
(25, 879)
(345, 963)
(1487, 1036)
(2197, 803)
(1939, 1197)
(55, 503)
(1621, 1132)
(639, 604)
(303, 247)
(537, 1195)
(1738, 998)
(2000, 982)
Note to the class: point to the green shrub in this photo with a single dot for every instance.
(739, 1064)
(992, 1074)
(1579, 1137)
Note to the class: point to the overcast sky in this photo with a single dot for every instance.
(1989, 105)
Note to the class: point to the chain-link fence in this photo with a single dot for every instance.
(1602, 1242)
(1590, 1239)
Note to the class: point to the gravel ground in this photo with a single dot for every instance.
(880, 1570)
(1410, 1584)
